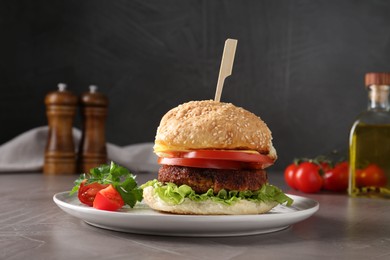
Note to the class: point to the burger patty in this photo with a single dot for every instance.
(201, 180)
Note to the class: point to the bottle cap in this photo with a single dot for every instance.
(94, 98)
(377, 78)
(61, 97)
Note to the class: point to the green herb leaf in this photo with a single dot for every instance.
(129, 191)
(77, 184)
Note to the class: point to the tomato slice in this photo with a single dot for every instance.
(209, 163)
(88, 192)
(108, 199)
(222, 155)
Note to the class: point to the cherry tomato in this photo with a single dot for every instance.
(325, 166)
(108, 199)
(88, 192)
(308, 178)
(371, 176)
(289, 175)
(209, 163)
(336, 179)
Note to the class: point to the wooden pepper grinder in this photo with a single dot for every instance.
(60, 154)
(92, 150)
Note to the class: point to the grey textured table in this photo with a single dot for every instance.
(33, 227)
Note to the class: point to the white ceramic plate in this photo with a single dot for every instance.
(143, 220)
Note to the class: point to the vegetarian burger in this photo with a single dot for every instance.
(213, 157)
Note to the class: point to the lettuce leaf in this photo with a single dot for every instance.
(174, 195)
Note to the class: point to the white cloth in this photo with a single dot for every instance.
(25, 153)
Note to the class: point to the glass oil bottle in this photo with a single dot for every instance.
(369, 144)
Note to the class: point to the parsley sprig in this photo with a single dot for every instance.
(120, 177)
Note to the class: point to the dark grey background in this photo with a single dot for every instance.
(299, 65)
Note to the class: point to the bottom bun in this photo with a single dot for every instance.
(207, 207)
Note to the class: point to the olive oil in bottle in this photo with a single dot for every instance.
(370, 142)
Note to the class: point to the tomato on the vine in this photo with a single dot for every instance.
(372, 175)
(325, 166)
(336, 179)
(289, 175)
(308, 178)
(311, 175)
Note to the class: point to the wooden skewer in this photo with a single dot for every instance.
(226, 68)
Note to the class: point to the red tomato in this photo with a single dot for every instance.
(336, 179)
(308, 178)
(372, 176)
(289, 175)
(225, 155)
(209, 163)
(88, 192)
(325, 166)
(108, 199)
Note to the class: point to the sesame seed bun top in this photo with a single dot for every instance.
(209, 124)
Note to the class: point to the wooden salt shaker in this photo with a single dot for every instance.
(60, 154)
(92, 150)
